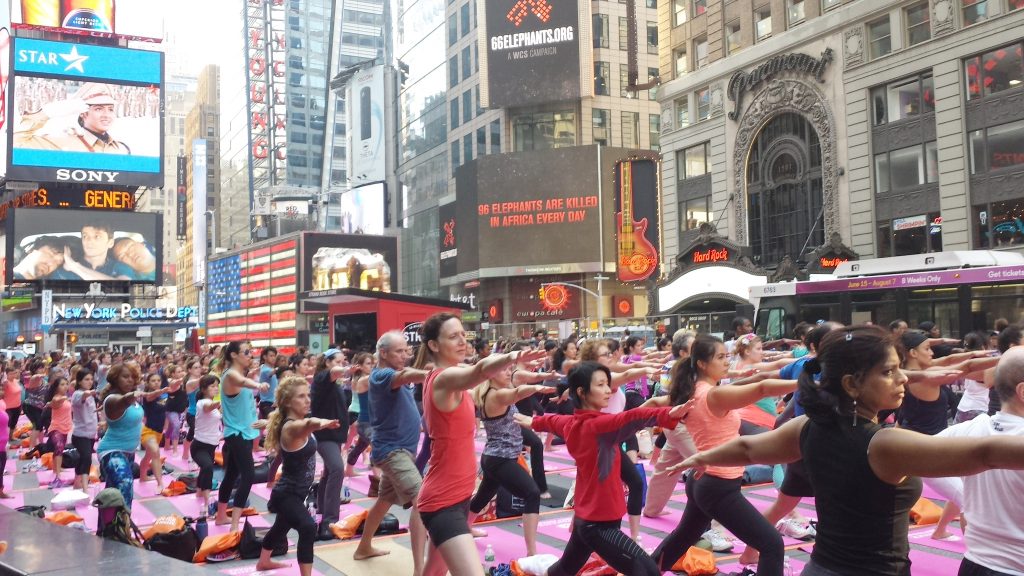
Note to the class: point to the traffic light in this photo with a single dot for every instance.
(72, 337)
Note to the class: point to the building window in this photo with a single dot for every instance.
(467, 105)
(906, 168)
(464, 17)
(700, 50)
(732, 37)
(879, 37)
(455, 156)
(654, 130)
(453, 30)
(476, 101)
(903, 99)
(453, 71)
(467, 67)
(910, 235)
(794, 12)
(454, 104)
(496, 137)
(693, 161)
(975, 11)
(997, 147)
(623, 33)
(763, 23)
(695, 211)
(630, 129)
(999, 224)
(703, 103)
(654, 3)
(682, 64)
(682, 106)
(995, 71)
(652, 75)
(481, 141)
(467, 147)
(602, 78)
(652, 38)
(602, 127)
(700, 7)
(918, 24)
(600, 30)
(544, 130)
(624, 82)
(678, 12)
(829, 4)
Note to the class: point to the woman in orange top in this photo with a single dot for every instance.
(450, 417)
(12, 398)
(60, 425)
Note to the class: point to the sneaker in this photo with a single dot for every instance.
(718, 542)
(793, 529)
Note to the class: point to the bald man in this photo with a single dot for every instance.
(992, 500)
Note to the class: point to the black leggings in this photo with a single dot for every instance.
(968, 568)
(710, 497)
(507, 473)
(12, 416)
(238, 466)
(84, 446)
(614, 547)
(35, 416)
(203, 453)
(3, 465)
(631, 478)
(365, 430)
(536, 445)
(291, 512)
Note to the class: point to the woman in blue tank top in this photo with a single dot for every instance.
(124, 428)
(238, 409)
(290, 434)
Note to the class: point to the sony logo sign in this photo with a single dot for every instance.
(64, 175)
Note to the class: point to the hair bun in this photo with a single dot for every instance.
(812, 366)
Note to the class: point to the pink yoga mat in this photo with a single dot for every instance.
(188, 505)
(922, 537)
(925, 564)
(248, 568)
(17, 499)
(509, 546)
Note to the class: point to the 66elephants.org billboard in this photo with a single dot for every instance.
(531, 51)
(84, 113)
(83, 245)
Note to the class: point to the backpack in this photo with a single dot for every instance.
(116, 524)
(181, 544)
(251, 545)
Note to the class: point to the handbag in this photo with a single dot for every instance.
(181, 544)
(251, 545)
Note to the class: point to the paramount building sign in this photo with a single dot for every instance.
(742, 82)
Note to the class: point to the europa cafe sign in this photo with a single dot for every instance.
(742, 82)
(124, 312)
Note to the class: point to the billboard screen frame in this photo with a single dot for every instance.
(367, 150)
(313, 241)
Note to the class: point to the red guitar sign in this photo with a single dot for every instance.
(637, 256)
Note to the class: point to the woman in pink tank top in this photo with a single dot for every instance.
(451, 422)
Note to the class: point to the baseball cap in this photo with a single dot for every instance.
(109, 498)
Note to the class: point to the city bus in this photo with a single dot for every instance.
(960, 291)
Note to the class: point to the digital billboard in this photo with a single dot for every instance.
(362, 210)
(449, 248)
(637, 233)
(531, 213)
(68, 196)
(366, 126)
(83, 245)
(84, 113)
(133, 18)
(5, 74)
(332, 261)
(531, 52)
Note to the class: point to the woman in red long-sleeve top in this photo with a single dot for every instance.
(593, 439)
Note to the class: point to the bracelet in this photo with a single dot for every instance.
(513, 377)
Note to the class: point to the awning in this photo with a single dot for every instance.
(708, 282)
(322, 298)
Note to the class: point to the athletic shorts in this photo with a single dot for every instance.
(148, 433)
(447, 523)
(400, 479)
(58, 440)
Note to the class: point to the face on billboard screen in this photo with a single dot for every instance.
(82, 113)
(92, 17)
(533, 210)
(362, 210)
(83, 245)
(334, 261)
(533, 51)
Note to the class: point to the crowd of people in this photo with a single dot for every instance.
(860, 416)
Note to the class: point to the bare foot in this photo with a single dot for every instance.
(352, 472)
(550, 448)
(373, 553)
(662, 513)
(270, 565)
(5, 495)
(477, 532)
(750, 558)
(221, 520)
(944, 535)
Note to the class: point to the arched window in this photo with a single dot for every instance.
(784, 191)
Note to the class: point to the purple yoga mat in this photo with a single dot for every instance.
(922, 537)
(17, 499)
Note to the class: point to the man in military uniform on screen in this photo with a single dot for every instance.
(93, 104)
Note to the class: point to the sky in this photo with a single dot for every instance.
(202, 31)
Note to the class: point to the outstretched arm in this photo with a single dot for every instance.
(895, 453)
(458, 378)
(722, 399)
(408, 376)
(779, 446)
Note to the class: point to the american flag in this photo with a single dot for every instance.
(252, 296)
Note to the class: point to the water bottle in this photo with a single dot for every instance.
(489, 559)
(346, 494)
(202, 529)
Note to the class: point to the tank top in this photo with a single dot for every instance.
(123, 434)
(238, 412)
(12, 394)
(364, 407)
(862, 521)
(504, 436)
(451, 477)
(177, 401)
(298, 468)
(975, 398)
(924, 416)
(156, 413)
(60, 419)
(193, 398)
(710, 431)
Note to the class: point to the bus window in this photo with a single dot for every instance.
(814, 307)
(771, 323)
(992, 302)
(875, 307)
(939, 305)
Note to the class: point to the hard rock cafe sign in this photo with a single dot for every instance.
(742, 82)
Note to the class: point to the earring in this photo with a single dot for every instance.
(854, 413)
